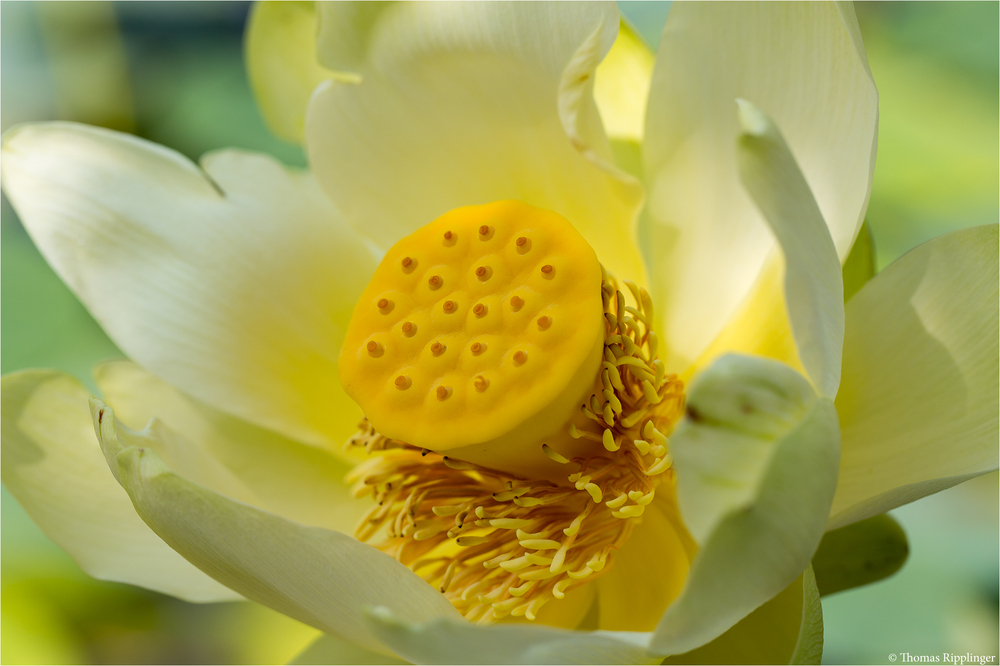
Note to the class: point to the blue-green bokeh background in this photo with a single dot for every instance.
(172, 72)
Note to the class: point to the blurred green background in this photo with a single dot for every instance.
(172, 72)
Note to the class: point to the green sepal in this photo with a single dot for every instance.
(860, 264)
(859, 554)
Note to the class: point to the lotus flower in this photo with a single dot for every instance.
(657, 479)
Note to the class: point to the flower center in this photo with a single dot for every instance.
(516, 409)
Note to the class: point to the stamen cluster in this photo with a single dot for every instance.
(497, 544)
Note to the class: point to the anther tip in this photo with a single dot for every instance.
(544, 322)
(383, 303)
(435, 281)
(374, 348)
(479, 309)
(481, 383)
(521, 241)
(485, 230)
(448, 235)
(516, 302)
(402, 382)
(407, 262)
(443, 392)
(437, 348)
(547, 269)
(520, 357)
(477, 347)
(409, 328)
(449, 306)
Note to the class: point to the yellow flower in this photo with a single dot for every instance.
(731, 198)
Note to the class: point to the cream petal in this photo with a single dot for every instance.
(234, 282)
(918, 401)
(788, 629)
(446, 641)
(320, 577)
(468, 103)
(280, 45)
(299, 482)
(53, 465)
(804, 65)
(756, 459)
(814, 290)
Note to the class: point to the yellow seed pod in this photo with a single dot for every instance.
(479, 335)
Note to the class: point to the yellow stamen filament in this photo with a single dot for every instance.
(523, 542)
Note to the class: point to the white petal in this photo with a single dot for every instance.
(232, 457)
(814, 290)
(918, 402)
(803, 64)
(320, 577)
(469, 103)
(53, 465)
(756, 460)
(459, 642)
(234, 284)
